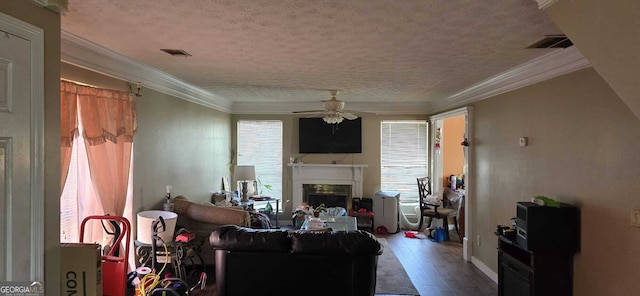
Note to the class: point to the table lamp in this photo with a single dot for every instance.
(243, 175)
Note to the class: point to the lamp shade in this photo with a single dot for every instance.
(244, 172)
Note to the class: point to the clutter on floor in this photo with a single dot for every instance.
(414, 234)
(163, 269)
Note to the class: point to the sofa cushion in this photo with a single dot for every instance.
(335, 243)
(235, 238)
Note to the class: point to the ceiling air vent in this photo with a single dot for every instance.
(176, 52)
(552, 41)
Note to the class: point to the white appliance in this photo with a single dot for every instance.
(385, 210)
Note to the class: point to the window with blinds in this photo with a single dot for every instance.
(79, 198)
(69, 224)
(260, 145)
(404, 154)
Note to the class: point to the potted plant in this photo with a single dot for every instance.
(262, 187)
(320, 208)
(259, 188)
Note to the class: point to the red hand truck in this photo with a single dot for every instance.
(114, 266)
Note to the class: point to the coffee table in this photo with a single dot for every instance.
(336, 223)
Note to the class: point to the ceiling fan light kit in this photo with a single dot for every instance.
(332, 118)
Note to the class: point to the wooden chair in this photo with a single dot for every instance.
(432, 209)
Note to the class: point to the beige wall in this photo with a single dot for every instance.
(178, 143)
(583, 150)
(370, 150)
(50, 22)
(452, 153)
(182, 144)
(607, 35)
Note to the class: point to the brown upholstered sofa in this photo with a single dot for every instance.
(201, 219)
(201, 216)
(276, 262)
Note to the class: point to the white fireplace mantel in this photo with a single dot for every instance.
(335, 174)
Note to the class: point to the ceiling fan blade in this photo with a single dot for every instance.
(349, 116)
(308, 111)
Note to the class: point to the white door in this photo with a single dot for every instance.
(21, 254)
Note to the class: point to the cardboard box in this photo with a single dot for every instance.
(81, 269)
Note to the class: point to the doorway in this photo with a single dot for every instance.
(450, 157)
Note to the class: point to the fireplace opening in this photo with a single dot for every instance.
(331, 195)
(329, 200)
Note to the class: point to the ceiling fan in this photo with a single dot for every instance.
(333, 112)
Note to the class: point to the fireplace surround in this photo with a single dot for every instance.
(331, 180)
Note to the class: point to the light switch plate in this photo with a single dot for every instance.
(635, 218)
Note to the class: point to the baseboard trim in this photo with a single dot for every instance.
(485, 269)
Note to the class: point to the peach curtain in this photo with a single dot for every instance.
(109, 122)
(68, 125)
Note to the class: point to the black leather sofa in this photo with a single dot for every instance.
(276, 262)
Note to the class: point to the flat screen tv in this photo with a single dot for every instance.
(317, 136)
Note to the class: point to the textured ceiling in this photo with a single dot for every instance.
(294, 51)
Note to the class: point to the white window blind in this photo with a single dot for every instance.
(260, 145)
(404, 154)
(69, 201)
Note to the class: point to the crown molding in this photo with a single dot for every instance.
(59, 6)
(86, 54)
(542, 4)
(556, 63)
(553, 64)
(409, 108)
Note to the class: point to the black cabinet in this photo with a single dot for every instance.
(526, 273)
(538, 260)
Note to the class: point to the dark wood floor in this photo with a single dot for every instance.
(437, 269)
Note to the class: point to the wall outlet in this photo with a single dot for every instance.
(478, 240)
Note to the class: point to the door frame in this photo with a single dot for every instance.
(35, 37)
(436, 171)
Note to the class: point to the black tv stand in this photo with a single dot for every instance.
(528, 273)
